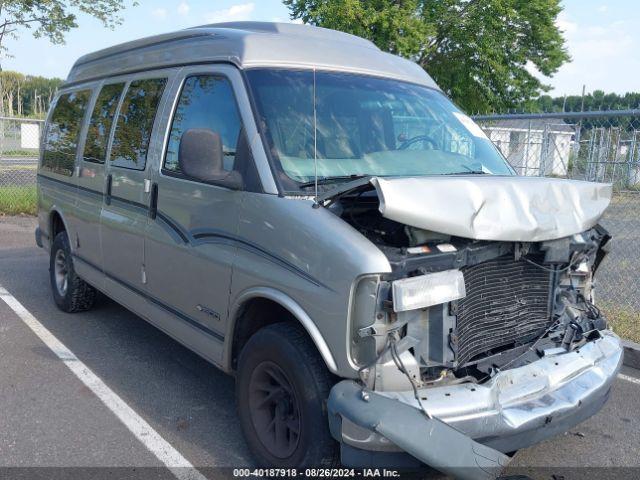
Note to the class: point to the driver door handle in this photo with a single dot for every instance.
(153, 201)
(107, 195)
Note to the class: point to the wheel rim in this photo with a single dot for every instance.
(275, 413)
(61, 272)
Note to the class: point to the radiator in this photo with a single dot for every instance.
(507, 303)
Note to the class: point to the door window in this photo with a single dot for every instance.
(61, 139)
(95, 149)
(135, 123)
(206, 101)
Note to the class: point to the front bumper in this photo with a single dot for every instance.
(515, 409)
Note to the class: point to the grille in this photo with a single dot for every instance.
(507, 302)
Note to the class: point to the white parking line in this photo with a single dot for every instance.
(169, 456)
(629, 379)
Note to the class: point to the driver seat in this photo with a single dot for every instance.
(377, 131)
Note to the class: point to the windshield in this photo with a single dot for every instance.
(365, 126)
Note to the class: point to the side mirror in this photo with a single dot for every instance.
(200, 157)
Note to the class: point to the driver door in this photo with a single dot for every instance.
(190, 246)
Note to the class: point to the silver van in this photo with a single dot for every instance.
(315, 217)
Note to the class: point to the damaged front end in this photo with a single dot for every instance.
(471, 347)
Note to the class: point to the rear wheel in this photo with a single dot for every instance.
(70, 292)
(282, 387)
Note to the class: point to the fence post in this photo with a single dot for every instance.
(602, 154)
(573, 164)
(632, 174)
(527, 150)
(1, 137)
(544, 151)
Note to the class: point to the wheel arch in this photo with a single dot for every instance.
(56, 223)
(243, 323)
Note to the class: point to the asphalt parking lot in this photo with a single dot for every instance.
(49, 418)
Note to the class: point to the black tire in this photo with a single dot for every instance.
(78, 295)
(286, 349)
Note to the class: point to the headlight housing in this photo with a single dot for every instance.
(427, 290)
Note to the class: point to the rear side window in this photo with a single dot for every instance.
(135, 123)
(95, 148)
(207, 102)
(61, 139)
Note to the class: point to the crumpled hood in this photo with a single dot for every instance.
(527, 209)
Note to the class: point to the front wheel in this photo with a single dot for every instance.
(282, 387)
(70, 292)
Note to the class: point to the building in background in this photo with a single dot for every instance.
(534, 146)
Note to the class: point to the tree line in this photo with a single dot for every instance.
(30, 96)
(596, 101)
(26, 95)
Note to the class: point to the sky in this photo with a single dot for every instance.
(603, 38)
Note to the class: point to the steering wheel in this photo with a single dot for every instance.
(417, 139)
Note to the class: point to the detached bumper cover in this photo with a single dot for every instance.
(427, 439)
(513, 410)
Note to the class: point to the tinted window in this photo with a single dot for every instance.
(95, 148)
(61, 140)
(135, 122)
(207, 102)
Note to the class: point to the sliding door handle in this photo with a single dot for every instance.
(107, 195)
(153, 202)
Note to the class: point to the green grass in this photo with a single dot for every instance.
(18, 200)
(625, 321)
(20, 153)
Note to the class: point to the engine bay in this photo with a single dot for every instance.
(523, 301)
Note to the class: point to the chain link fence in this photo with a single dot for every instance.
(594, 146)
(19, 147)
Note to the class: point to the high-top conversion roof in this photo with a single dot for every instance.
(248, 45)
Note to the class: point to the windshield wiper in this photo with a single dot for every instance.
(469, 172)
(329, 180)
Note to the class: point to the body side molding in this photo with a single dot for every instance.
(177, 313)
